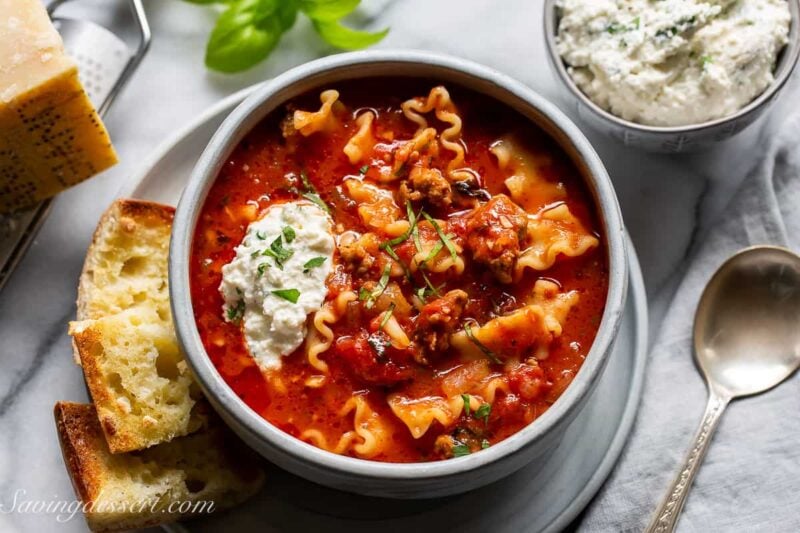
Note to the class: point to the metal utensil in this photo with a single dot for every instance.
(105, 63)
(747, 340)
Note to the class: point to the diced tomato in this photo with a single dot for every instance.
(528, 381)
(372, 359)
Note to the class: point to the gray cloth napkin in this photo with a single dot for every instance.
(750, 480)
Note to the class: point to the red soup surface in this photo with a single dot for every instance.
(466, 285)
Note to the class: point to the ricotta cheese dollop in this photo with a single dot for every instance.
(672, 62)
(277, 278)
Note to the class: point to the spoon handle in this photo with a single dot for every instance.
(666, 517)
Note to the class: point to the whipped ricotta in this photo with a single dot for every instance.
(277, 278)
(672, 62)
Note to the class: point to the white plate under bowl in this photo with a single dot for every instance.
(532, 499)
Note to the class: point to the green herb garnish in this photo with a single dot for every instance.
(288, 234)
(261, 268)
(290, 295)
(459, 450)
(278, 252)
(445, 239)
(371, 296)
(482, 347)
(466, 399)
(414, 230)
(483, 412)
(247, 31)
(705, 60)
(261, 236)
(387, 315)
(363, 170)
(313, 263)
(484, 444)
(311, 194)
(236, 312)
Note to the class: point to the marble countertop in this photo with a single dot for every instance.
(666, 200)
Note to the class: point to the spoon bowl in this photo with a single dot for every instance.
(746, 341)
(747, 327)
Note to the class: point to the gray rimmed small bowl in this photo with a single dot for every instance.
(679, 138)
(418, 480)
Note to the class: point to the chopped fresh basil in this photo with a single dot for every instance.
(288, 234)
(311, 194)
(430, 287)
(484, 444)
(236, 312)
(314, 262)
(363, 170)
(483, 412)
(278, 252)
(460, 450)
(412, 219)
(261, 236)
(261, 268)
(445, 239)
(387, 315)
(466, 399)
(482, 347)
(373, 295)
(290, 295)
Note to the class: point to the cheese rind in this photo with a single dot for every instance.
(51, 137)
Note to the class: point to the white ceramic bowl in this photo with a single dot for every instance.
(373, 478)
(672, 139)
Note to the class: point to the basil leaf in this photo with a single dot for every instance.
(466, 399)
(387, 315)
(291, 295)
(459, 450)
(483, 412)
(346, 38)
(482, 347)
(245, 34)
(328, 10)
(288, 234)
(314, 262)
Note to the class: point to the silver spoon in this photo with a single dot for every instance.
(746, 341)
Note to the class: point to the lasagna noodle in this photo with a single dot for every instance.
(321, 335)
(439, 101)
(310, 122)
(368, 437)
(527, 183)
(533, 327)
(362, 141)
(550, 233)
(376, 209)
(419, 414)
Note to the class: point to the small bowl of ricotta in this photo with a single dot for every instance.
(672, 75)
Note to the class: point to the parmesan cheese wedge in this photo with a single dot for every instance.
(50, 135)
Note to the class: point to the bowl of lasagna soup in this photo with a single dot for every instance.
(397, 273)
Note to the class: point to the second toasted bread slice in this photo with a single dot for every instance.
(140, 384)
(200, 473)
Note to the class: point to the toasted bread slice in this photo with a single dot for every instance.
(138, 380)
(204, 472)
(126, 264)
(125, 340)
